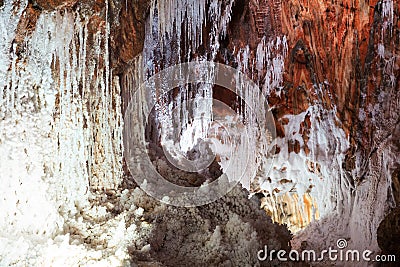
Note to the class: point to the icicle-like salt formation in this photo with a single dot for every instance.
(69, 132)
(219, 20)
(172, 13)
(185, 120)
(196, 125)
(85, 95)
(271, 57)
(381, 50)
(190, 114)
(387, 13)
(180, 120)
(131, 81)
(9, 18)
(188, 117)
(27, 119)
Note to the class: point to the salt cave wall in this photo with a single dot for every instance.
(343, 58)
(64, 200)
(330, 70)
(60, 119)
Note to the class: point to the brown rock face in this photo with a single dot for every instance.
(331, 45)
(335, 45)
(128, 33)
(26, 26)
(53, 4)
(333, 61)
(339, 40)
(389, 234)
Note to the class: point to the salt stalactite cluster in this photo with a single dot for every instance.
(388, 17)
(138, 100)
(271, 56)
(253, 112)
(387, 14)
(9, 18)
(189, 116)
(387, 29)
(87, 106)
(296, 184)
(60, 133)
(220, 16)
(190, 113)
(172, 13)
(27, 101)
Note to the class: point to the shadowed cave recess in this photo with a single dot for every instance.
(325, 168)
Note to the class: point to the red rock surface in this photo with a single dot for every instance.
(53, 4)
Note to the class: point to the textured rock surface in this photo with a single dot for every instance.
(389, 232)
(128, 31)
(53, 4)
(226, 232)
(343, 56)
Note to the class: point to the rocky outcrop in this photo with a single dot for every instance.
(388, 233)
(128, 31)
(53, 4)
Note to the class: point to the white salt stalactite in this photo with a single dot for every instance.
(171, 13)
(271, 57)
(69, 131)
(219, 20)
(24, 141)
(168, 17)
(219, 17)
(10, 14)
(388, 14)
